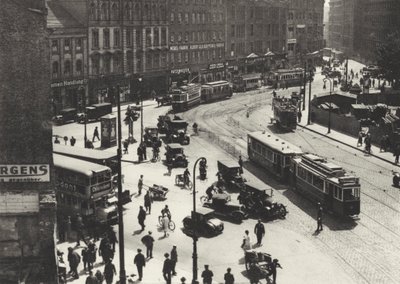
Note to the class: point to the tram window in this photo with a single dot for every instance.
(270, 155)
(287, 161)
(318, 182)
(309, 177)
(302, 173)
(338, 193)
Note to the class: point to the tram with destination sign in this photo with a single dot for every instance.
(83, 188)
(286, 77)
(186, 97)
(246, 82)
(310, 175)
(214, 91)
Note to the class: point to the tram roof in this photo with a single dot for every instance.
(83, 152)
(275, 143)
(215, 83)
(77, 165)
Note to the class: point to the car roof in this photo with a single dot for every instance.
(174, 146)
(204, 210)
(229, 163)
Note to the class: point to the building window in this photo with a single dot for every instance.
(78, 67)
(148, 61)
(67, 44)
(95, 39)
(117, 63)
(54, 45)
(156, 37)
(186, 57)
(148, 37)
(129, 37)
(115, 12)
(179, 57)
(156, 60)
(107, 64)
(186, 36)
(93, 13)
(163, 59)
(186, 18)
(103, 12)
(129, 59)
(193, 18)
(95, 64)
(55, 69)
(138, 38)
(106, 38)
(251, 29)
(78, 44)
(67, 67)
(179, 18)
(117, 38)
(179, 37)
(163, 36)
(172, 37)
(172, 18)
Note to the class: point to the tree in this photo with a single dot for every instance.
(389, 58)
(131, 115)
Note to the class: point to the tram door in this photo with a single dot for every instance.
(279, 165)
(331, 192)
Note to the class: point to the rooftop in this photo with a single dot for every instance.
(59, 17)
(275, 143)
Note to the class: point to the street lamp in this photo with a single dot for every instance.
(194, 218)
(122, 273)
(330, 101)
(141, 111)
(83, 97)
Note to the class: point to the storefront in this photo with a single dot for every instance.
(214, 72)
(68, 94)
(179, 77)
(103, 89)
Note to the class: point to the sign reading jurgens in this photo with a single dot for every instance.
(25, 173)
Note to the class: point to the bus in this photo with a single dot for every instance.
(286, 77)
(90, 155)
(95, 112)
(246, 82)
(214, 91)
(83, 188)
(186, 97)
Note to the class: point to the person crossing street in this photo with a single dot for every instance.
(259, 230)
(96, 134)
(140, 262)
(141, 217)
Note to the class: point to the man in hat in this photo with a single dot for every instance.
(207, 275)
(167, 269)
(140, 263)
(148, 241)
(259, 230)
(272, 269)
(141, 217)
(174, 259)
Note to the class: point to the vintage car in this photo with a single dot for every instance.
(66, 115)
(176, 131)
(257, 201)
(226, 210)
(162, 123)
(207, 224)
(230, 172)
(164, 100)
(94, 112)
(151, 136)
(175, 155)
(258, 264)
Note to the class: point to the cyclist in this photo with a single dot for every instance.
(195, 126)
(186, 175)
(210, 191)
(156, 152)
(165, 212)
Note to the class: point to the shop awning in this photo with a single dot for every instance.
(252, 55)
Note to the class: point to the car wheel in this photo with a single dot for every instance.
(237, 217)
(282, 211)
(187, 224)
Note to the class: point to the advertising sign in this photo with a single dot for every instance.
(108, 131)
(25, 173)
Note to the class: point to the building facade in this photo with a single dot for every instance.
(27, 199)
(254, 30)
(304, 28)
(68, 59)
(196, 40)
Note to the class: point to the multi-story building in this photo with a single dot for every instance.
(341, 25)
(196, 40)
(375, 20)
(27, 200)
(304, 28)
(326, 24)
(254, 28)
(68, 58)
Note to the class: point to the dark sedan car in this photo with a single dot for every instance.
(207, 225)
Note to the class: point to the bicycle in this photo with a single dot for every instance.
(171, 224)
(180, 180)
(204, 199)
(156, 158)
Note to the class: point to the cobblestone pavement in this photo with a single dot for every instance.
(368, 248)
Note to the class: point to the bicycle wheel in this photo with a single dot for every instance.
(160, 221)
(203, 199)
(189, 185)
(171, 225)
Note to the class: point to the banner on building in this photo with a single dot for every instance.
(25, 173)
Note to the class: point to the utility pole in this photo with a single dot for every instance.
(309, 99)
(304, 85)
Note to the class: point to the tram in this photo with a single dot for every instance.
(308, 174)
(246, 82)
(214, 91)
(83, 188)
(90, 155)
(186, 97)
(286, 77)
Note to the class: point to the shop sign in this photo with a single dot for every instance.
(25, 173)
(180, 71)
(19, 202)
(196, 46)
(292, 40)
(68, 83)
(216, 66)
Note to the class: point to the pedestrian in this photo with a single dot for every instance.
(140, 263)
(65, 140)
(360, 137)
(367, 142)
(126, 146)
(167, 269)
(102, 247)
(148, 241)
(396, 153)
(91, 279)
(228, 277)
(240, 165)
(246, 241)
(140, 185)
(144, 150)
(84, 254)
(142, 217)
(174, 259)
(373, 83)
(383, 144)
(253, 273)
(148, 200)
(259, 230)
(140, 154)
(207, 275)
(320, 209)
(73, 259)
(272, 269)
(56, 141)
(274, 93)
(96, 134)
(105, 250)
(319, 224)
(388, 143)
(99, 276)
(183, 280)
(112, 238)
(165, 222)
(169, 167)
(109, 272)
(91, 256)
(79, 230)
(72, 141)
(299, 115)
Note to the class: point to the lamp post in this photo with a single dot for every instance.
(83, 96)
(309, 96)
(330, 102)
(122, 273)
(303, 91)
(194, 218)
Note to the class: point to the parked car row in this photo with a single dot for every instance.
(92, 113)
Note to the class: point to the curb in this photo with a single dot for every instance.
(348, 145)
